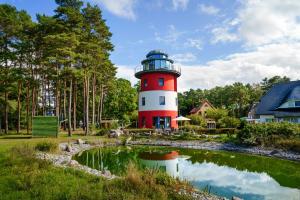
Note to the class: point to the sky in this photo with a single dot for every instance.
(215, 42)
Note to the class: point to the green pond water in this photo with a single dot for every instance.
(224, 173)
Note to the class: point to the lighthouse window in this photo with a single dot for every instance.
(163, 63)
(176, 101)
(145, 82)
(143, 101)
(157, 64)
(151, 65)
(161, 82)
(162, 100)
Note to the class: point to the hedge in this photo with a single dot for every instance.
(201, 130)
(261, 133)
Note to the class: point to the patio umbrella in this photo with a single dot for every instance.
(181, 118)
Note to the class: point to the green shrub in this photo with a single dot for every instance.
(196, 120)
(288, 144)
(267, 133)
(46, 146)
(103, 131)
(229, 122)
(216, 114)
(201, 130)
(138, 130)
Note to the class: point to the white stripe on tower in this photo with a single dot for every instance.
(152, 100)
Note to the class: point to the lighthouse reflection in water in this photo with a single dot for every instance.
(164, 161)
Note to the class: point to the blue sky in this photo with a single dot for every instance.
(216, 42)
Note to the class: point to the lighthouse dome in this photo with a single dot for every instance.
(157, 61)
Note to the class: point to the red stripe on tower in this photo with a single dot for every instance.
(158, 103)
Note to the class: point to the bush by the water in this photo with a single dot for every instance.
(267, 133)
(197, 120)
(46, 146)
(138, 130)
(201, 130)
(102, 132)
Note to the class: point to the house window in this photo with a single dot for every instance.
(161, 82)
(145, 82)
(143, 101)
(162, 100)
(297, 103)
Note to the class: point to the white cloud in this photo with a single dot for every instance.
(222, 34)
(121, 8)
(194, 43)
(180, 4)
(249, 67)
(171, 36)
(127, 72)
(208, 9)
(184, 57)
(235, 181)
(269, 21)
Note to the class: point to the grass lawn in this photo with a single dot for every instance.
(22, 176)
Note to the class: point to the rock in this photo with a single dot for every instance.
(274, 152)
(68, 148)
(236, 198)
(80, 142)
(115, 133)
(63, 146)
(106, 173)
(127, 140)
(73, 163)
(147, 134)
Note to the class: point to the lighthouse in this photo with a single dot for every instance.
(158, 102)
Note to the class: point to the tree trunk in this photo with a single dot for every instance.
(70, 110)
(57, 100)
(87, 105)
(98, 110)
(93, 100)
(27, 107)
(43, 96)
(19, 106)
(33, 99)
(6, 112)
(65, 108)
(49, 96)
(101, 104)
(74, 105)
(84, 104)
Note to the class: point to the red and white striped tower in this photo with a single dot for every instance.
(158, 103)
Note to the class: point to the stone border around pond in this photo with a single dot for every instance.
(68, 150)
(277, 153)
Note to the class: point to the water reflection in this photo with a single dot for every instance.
(228, 182)
(227, 174)
(167, 161)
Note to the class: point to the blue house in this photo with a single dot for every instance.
(280, 103)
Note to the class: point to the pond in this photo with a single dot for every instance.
(222, 173)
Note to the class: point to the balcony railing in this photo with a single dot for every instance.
(172, 68)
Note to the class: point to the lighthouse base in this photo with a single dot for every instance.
(158, 119)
